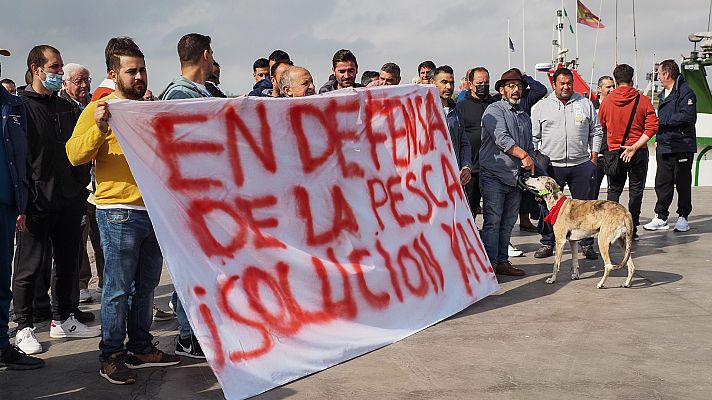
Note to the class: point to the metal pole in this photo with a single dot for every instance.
(595, 46)
(576, 34)
(635, 47)
(616, 57)
(524, 48)
(509, 50)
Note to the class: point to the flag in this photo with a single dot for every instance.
(511, 45)
(571, 28)
(586, 17)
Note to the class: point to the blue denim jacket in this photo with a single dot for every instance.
(503, 126)
(14, 138)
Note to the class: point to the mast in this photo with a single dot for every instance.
(635, 47)
(509, 49)
(595, 47)
(576, 34)
(616, 59)
(524, 47)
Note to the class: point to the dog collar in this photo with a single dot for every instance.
(554, 212)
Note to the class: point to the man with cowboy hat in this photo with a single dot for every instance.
(506, 150)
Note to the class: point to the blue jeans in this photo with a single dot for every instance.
(500, 209)
(581, 180)
(8, 216)
(184, 329)
(132, 267)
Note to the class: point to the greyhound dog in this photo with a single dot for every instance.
(574, 220)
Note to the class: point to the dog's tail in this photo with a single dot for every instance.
(628, 240)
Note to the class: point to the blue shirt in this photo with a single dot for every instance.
(504, 126)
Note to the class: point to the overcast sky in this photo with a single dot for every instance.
(461, 33)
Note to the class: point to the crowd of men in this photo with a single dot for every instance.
(64, 179)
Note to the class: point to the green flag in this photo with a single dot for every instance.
(571, 28)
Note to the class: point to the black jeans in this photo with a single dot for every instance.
(473, 193)
(61, 230)
(600, 174)
(674, 172)
(580, 179)
(635, 172)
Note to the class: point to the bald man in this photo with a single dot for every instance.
(296, 82)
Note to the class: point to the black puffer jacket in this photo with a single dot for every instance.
(53, 182)
(677, 115)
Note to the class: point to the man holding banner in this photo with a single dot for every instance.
(133, 259)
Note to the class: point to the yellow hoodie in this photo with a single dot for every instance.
(115, 185)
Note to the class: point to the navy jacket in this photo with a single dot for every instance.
(262, 88)
(534, 92)
(677, 115)
(460, 142)
(14, 140)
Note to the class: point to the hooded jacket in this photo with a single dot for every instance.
(677, 114)
(53, 182)
(472, 110)
(615, 112)
(13, 151)
(181, 88)
(262, 88)
(566, 132)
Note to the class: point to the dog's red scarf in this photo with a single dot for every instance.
(554, 212)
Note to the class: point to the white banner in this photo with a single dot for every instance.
(301, 233)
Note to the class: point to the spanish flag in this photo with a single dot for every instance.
(586, 17)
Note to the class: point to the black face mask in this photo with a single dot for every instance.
(482, 91)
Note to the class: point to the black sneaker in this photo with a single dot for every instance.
(544, 251)
(14, 359)
(115, 371)
(589, 252)
(83, 316)
(635, 236)
(154, 358)
(189, 347)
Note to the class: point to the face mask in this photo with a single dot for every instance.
(52, 81)
(482, 91)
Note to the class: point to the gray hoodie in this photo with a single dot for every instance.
(566, 132)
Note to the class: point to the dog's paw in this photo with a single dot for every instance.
(625, 286)
(550, 280)
(575, 277)
(600, 286)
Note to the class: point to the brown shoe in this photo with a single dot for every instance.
(154, 358)
(114, 370)
(506, 268)
(528, 227)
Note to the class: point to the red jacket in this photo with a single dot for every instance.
(615, 113)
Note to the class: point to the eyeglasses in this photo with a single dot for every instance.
(78, 82)
(514, 86)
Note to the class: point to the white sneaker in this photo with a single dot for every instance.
(656, 224)
(513, 251)
(85, 296)
(27, 341)
(71, 328)
(681, 225)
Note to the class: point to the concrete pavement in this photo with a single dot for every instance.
(530, 340)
